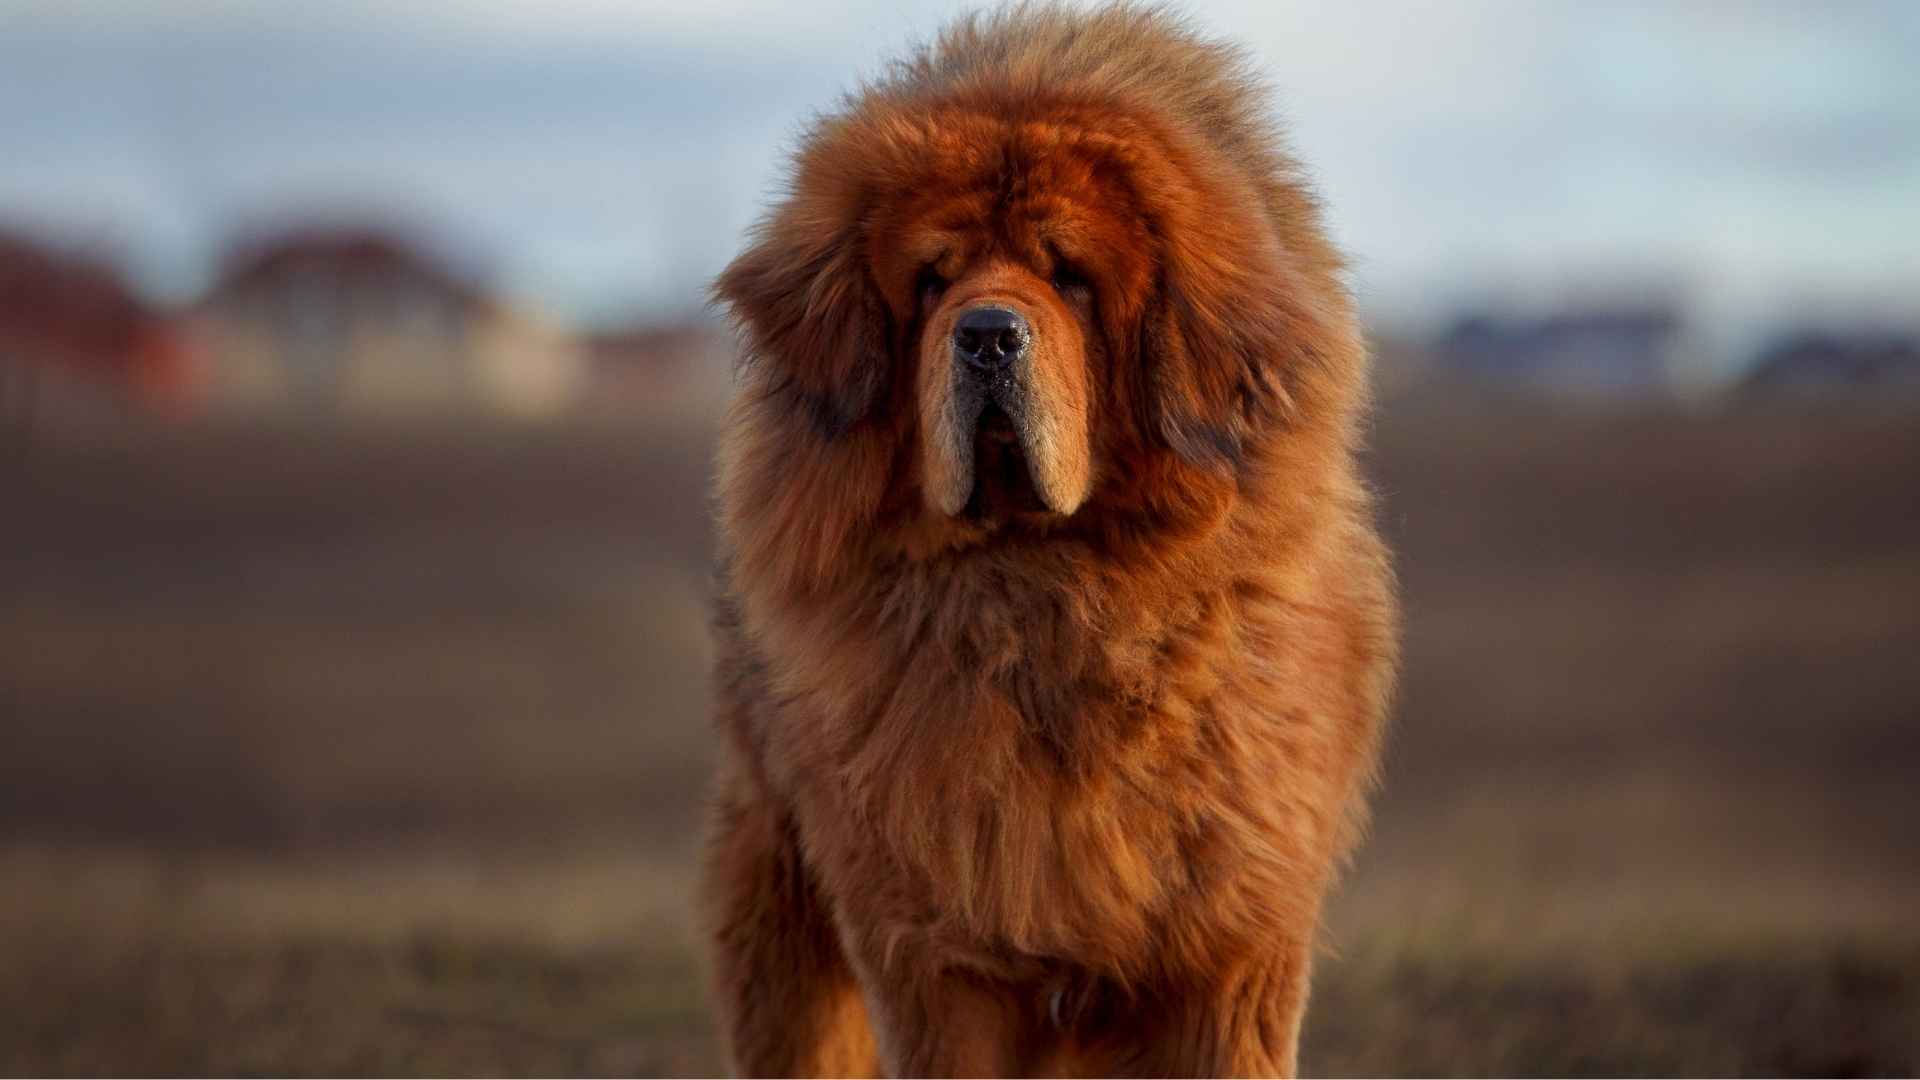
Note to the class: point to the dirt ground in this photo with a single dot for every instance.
(382, 752)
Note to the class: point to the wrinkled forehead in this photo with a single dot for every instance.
(973, 187)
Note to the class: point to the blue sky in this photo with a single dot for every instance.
(599, 156)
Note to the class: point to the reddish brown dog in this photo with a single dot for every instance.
(1055, 634)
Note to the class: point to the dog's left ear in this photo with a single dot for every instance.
(816, 328)
(1239, 336)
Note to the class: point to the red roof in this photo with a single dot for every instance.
(68, 307)
(341, 251)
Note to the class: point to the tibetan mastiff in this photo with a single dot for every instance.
(1054, 633)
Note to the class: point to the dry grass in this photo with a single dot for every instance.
(383, 754)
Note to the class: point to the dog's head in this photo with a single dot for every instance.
(1027, 307)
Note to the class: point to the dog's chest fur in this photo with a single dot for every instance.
(1036, 771)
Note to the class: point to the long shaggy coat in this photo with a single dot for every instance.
(1045, 733)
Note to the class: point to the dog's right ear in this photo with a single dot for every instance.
(816, 332)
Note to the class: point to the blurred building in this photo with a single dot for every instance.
(646, 367)
(361, 323)
(1824, 363)
(75, 342)
(1627, 351)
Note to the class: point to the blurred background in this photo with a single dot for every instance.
(356, 405)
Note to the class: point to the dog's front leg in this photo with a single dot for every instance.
(1240, 1022)
(787, 1001)
(946, 1023)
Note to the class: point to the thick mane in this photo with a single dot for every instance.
(1146, 56)
(1132, 52)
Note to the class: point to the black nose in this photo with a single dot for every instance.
(990, 338)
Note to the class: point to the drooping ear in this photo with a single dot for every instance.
(817, 333)
(1240, 333)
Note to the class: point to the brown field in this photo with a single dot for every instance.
(383, 752)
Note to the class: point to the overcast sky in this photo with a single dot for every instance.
(598, 155)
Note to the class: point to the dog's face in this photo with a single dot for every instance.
(1004, 361)
(1015, 275)
(1030, 319)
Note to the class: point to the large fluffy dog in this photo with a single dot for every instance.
(1055, 635)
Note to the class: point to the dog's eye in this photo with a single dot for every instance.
(1069, 281)
(929, 286)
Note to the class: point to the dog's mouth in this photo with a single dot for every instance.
(1003, 485)
(1001, 450)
